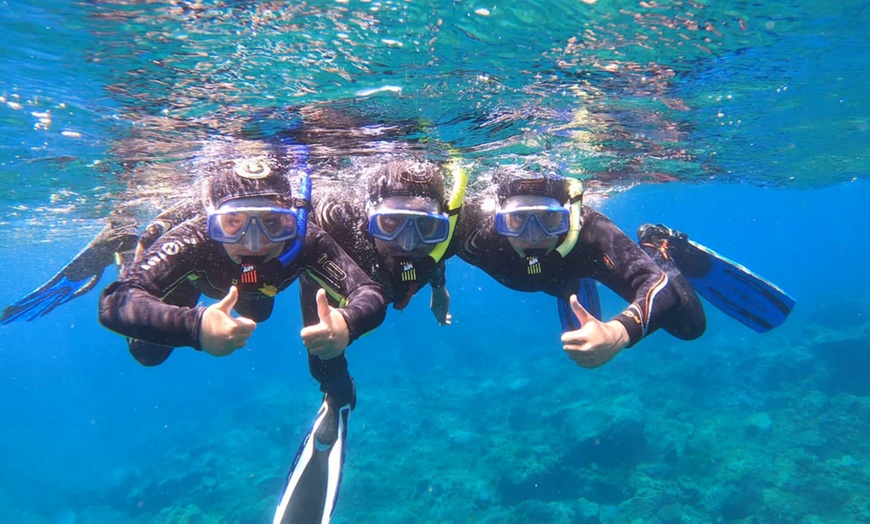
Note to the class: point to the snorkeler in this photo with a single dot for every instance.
(251, 240)
(401, 233)
(400, 236)
(535, 235)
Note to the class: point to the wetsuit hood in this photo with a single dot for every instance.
(243, 169)
(407, 178)
(547, 185)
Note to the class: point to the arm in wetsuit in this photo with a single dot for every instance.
(359, 299)
(133, 306)
(605, 253)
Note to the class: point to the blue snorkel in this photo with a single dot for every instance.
(303, 201)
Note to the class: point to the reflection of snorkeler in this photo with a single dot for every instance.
(538, 237)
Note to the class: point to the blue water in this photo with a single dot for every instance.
(753, 141)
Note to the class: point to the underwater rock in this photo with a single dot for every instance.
(189, 514)
(813, 403)
(645, 504)
(621, 442)
(461, 437)
(742, 501)
(757, 424)
(537, 511)
(585, 512)
(672, 514)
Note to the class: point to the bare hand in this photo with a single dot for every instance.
(440, 305)
(596, 342)
(327, 339)
(220, 334)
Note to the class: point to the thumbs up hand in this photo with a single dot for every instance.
(330, 336)
(596, 342)
(220, 334)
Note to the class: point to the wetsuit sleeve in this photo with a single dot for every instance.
(132, 306)
(439, 276)
(307, 292)
(623, 267)
(362, 301)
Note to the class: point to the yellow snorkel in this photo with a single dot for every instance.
(460, 183)
(575, 205)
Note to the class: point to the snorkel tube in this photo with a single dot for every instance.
(575, 204)
(302, 201)
(460, 183)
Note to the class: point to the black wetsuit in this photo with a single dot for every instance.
(346, 221)
(657, 296)
(155, 300)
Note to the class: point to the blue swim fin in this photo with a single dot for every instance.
(311, 490)
(737, 291)
(76, 278)
(587, 295)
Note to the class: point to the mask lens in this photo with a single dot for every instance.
(231, 223)
(516, 220)
(390, 225)
(519, 220)
(428, 227)
(432, 228)
(554, 222)
(278, 226)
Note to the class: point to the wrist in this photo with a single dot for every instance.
(618, 334)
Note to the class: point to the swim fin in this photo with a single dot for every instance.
(79, 276)
(740, 293)
(587, 295)
(735, 290)
(311, 490)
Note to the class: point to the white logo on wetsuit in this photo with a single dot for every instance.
(171, 248)
(253, 168)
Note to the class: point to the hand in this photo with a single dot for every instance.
(220, 334)
(327, 339)
(596, 342)
(440, 304)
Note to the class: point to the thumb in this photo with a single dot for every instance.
(582, 315)
(323, 307)
(228, 302)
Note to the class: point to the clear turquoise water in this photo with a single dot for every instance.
(745, 125)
